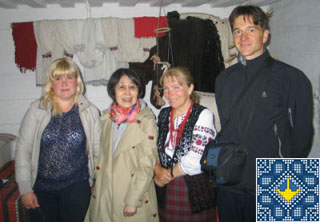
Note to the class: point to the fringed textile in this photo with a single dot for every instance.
(25, 46)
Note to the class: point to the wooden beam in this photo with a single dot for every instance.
(156, 3)
(194, 3)
(128, 3)
(34, 3)
(7, 4)
(95, 3)
(226, 3)
(264, 2)
(67, 3)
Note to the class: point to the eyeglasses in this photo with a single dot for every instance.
(123, 87)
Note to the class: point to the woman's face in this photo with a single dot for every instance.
(177, 94)
(64, 87)
(126, 92)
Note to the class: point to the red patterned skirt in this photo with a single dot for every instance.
(177, 206)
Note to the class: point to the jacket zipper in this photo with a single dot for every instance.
(275, 128)
(290, 117)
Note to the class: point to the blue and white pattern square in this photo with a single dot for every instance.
(287, 189)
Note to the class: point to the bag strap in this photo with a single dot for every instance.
(264, 79)
(246, 88)
(262, 85)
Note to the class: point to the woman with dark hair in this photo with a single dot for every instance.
(57, 146)
(124, 189)
(184, 130)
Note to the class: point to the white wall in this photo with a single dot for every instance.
(295, 39)
(17, 90)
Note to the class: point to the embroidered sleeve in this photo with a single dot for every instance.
(203, 132)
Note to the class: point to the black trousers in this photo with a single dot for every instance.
(236, 207)
(66, 205)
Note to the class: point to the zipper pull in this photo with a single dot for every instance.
(290, 117)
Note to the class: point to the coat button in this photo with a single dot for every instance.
(133, 147)
(94, 196)
(132, 174)
(97, 167)
(146, 201)
(138, 121)
(154, 215)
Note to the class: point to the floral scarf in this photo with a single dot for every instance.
(120, 115)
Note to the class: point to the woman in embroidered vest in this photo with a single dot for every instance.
(57, 144)
(184, 130)
(124, 189)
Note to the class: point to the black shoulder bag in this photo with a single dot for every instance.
(224, 161)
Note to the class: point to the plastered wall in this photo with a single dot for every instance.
(295, 39)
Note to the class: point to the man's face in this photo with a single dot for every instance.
(248, 37)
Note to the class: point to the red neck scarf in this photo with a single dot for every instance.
(175, 140)
(120, 115)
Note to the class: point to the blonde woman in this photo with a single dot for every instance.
(57, 144)
(185, 128)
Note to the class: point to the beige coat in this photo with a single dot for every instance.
(127, 176)
(28, 143)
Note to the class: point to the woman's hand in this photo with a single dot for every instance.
(129, 211)
(92, 189)
(157, 181)
(162, 175)
(30, 200)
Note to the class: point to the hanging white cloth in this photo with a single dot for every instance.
(66, 31)
(131, 49)
(48, 48)
(110, 31)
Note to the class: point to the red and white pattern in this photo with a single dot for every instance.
(203, 132)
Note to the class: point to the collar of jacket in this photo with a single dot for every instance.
(82, 102)
(259, 60)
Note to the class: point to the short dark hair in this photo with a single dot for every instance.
(115, 78)
(259, 17)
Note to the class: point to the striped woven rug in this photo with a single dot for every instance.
(11, 209)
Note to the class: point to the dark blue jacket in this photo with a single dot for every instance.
(282, 123)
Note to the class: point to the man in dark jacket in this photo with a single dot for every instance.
(282, 122)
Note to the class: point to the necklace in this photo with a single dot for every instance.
(175, 134)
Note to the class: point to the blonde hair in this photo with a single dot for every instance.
(60, 67)
(183, 76)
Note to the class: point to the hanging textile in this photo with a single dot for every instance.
(145, 26)
(227, 46)
(100, 45)
(203, 56)
(25, 46)
(48, 48)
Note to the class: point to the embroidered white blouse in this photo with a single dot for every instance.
(203, 132)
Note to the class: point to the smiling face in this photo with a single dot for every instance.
(248, 37)
(126, 92)
(64, 87)
(177, 94)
